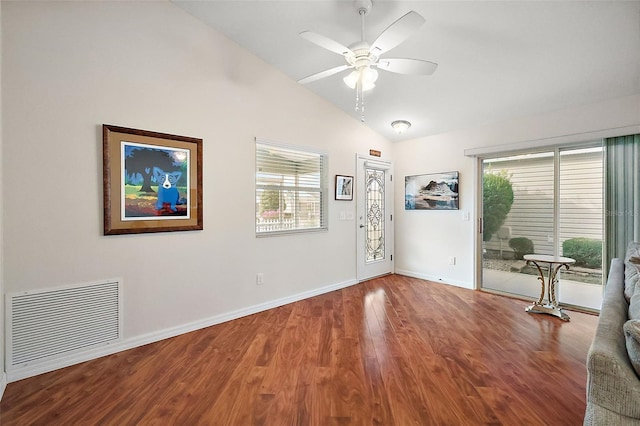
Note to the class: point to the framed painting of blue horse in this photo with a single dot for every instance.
(152, 181)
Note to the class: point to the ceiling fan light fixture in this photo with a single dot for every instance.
(367, 86)
(364, 57)
(366, 76)
(369, 77)
(400, 125)
(352, 79)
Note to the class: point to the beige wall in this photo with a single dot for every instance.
(68, 68)
(426, 239)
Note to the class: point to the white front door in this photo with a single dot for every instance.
(374, 209)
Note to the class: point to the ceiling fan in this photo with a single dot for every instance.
(364, 58)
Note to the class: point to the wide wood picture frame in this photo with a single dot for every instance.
(152, 181)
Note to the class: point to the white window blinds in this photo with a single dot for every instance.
(291, 189)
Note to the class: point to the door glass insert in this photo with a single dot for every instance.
(374, 209)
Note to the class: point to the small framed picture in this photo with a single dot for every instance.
(344, 188)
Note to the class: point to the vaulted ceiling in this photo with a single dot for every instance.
(498, 60)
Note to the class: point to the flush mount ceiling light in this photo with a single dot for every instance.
(400, 125)
(364, 58)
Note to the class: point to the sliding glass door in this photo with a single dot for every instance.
(550, 203)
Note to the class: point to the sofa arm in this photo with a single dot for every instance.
(612, 382)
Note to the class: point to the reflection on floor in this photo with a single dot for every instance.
(570, 292)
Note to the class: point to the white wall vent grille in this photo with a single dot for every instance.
(49, 324)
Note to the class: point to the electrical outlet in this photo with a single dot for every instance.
(259, 278)
(452, 260)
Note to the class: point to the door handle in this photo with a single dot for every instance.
(361, 226)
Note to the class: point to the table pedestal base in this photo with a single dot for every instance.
(547, 309)
(549, 304)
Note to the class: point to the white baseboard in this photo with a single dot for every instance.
(22, 372)
(434, 278)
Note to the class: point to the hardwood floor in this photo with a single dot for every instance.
(390, 351)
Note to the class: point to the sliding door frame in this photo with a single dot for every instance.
(478, 225)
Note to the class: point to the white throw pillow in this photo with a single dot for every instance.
(631, 273)
(632, 339)
(634, 304)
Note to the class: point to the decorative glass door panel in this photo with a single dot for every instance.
(375, 215)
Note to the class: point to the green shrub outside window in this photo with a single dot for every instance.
(586, 251)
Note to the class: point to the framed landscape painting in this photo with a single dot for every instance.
(436, 191)
(152, 181)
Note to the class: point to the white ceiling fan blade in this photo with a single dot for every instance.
(323, 74)
(326, 43)
(407, 66)
(397, 32)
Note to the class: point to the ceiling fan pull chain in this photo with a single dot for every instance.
(360, 100)
(362, 13)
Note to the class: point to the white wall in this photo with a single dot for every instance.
(3, 377)
(68, 68)
(426, 239)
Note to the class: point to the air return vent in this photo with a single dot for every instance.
(49, 324)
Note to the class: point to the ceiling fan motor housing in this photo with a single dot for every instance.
(362, 56)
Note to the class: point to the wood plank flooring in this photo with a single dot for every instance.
(390, 351)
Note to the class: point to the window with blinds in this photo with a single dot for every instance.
(291, 189)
